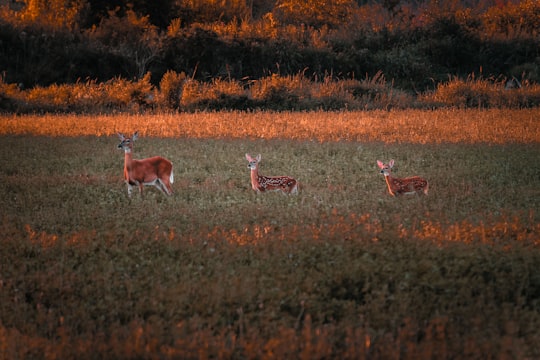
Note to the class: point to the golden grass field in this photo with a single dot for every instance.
(342, 270)
(407, 126)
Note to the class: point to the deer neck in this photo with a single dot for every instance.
(255, 179)
(390, 182)
(128, 159)
(128, 153)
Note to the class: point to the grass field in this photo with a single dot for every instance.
(343, 270)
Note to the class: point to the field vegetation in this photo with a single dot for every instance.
(177, 93)
(342, 270)
(95, 56)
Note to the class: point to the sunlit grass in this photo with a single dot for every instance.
(406, 126)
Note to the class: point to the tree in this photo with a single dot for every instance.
(316, 13)
(49, 15)
(130, 36)
(214, 10)
(160, 12)
(514, 20)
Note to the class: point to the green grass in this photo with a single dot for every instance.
(343, 270)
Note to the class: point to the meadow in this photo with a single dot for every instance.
(342, 270)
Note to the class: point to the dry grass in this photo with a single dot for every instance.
(405, 126)
(482, 93)
(342, 270)
(178, 92)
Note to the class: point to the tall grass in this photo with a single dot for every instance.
(343, 270)
(496, 126)
(177, 92)
(482, 93)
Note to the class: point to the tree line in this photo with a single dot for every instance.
(416, 44)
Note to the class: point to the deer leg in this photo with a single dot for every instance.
(161, 187)
(166, 186)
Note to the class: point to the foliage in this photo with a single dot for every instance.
(416, 45)
(47, 15)
(217, 95)
(171, 87)
(82, 97)
(316, 13)
(483, 93)
(130, 36)
(513, 20)
(8, 95)
(206, 11)
(274, 92)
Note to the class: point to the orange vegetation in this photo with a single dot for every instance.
(407, 126)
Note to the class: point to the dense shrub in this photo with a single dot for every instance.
(297, 92)
(482, 93)
(133, 37)
(82, 97)
(315, 13)
(9, 94)
(52, 16)
(416, 45)
(216, 95)
(513, 20)
(171, 86)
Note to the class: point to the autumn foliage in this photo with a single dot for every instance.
(416, 46)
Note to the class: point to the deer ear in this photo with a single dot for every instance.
(135, 136)
(258, 158)
(248, 158)
(380, 164)
(391, 163)
(121, 136)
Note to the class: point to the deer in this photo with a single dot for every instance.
(260, 183)
(155, 171)
(405, 186)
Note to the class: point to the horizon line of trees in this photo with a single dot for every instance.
(417, 44)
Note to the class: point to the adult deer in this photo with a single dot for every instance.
(261, 183)
(407, 186)
(156, 171)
